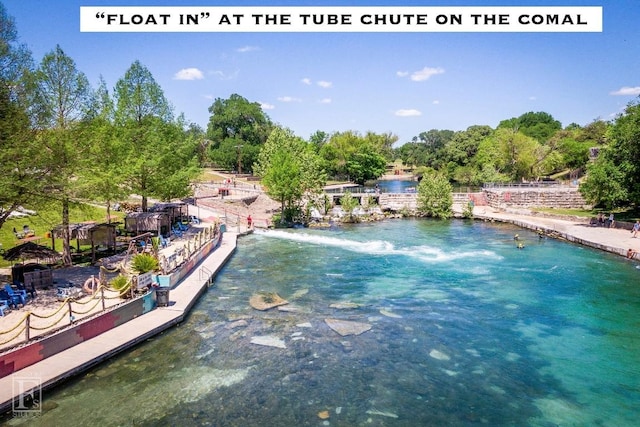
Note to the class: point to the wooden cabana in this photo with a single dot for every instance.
(88, 233)
(141, 222)
(176, 210)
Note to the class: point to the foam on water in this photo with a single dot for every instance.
(424, 253)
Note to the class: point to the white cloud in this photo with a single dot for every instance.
(325, 101)
(425, 73)
(627, 91)
(306, 81)
(325, 84)
(289, 99)
(189, 74)
(533, 98)
(408, 113)
(436, 102)
(245, 49)
(266, 106)
(402, 73)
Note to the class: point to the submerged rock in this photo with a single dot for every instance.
(388, 313)
(266, 300)
(268, 341)
(344, 305)
(382, 413)
(237, 324)
(436, 354)
(346, 327)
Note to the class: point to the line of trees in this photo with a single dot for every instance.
(63, 142)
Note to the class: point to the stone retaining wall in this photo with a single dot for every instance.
(527, 197)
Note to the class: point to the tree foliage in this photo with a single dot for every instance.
(434, 196)
(349, 155)
(20, 168)
(349, 204)
(61, 102)
(237, 129)
(613, 180)
(160, 158)
(290, 169)
(539, 126)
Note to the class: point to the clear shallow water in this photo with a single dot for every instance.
(466, 330)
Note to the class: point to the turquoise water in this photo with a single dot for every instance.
(465, 330)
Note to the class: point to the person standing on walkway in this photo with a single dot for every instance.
(249, 222)
(611, 221)
(636, 228)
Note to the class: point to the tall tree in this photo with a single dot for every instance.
(434, 196)
(356, 157)
(614, 178)
(103, 177)
(540, 125)
(160, 158)
(20, 170)
(237, 129)
(290, 169)
(62, 98)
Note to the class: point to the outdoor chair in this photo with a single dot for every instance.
(180, 226)
(164, 241)
(21, 287)
(4, 305)
(176, 231)
(16, 297)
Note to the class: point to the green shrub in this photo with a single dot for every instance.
(144, 263)
(119, 282)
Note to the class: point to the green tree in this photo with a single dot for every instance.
(604, 185)
(539, 126)
(349, 155)
(290, 170)
(237, 129)
(349, 204)
(160, 157)
(427, 149)
(434, 196)
(103, 178)
(61, 101)
(613, 180)
(20, 168)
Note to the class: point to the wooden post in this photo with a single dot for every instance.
(27, 328)
(102, 297)
(71, 318)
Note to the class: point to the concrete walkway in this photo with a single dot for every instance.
(83, 356)
(614, 240)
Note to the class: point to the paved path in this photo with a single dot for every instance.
(614, 240)
(83, 356)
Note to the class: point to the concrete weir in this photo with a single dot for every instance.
(31, 381)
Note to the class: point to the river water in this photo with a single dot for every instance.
(466, 329)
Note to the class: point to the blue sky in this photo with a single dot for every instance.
(402, 83)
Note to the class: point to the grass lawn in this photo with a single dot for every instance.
(49, 218)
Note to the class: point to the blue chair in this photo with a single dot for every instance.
(182, 227)
(4, 305)
(16, 297)
(176, 231)
(164, 241)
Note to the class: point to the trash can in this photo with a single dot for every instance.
(223, 228)
(162, 297)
